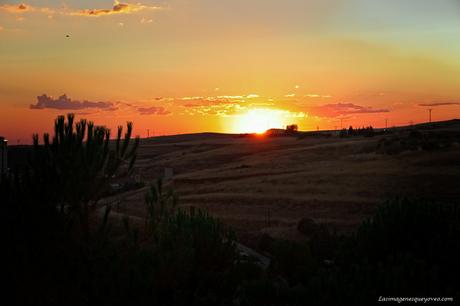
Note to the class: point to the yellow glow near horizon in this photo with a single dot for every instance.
(259, 120)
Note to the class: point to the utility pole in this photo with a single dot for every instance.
(148, 133)
(341, 123)
(429, 110)
(386, 123)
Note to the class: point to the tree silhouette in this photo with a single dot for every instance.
(351, 131)
(292, 129)
(73, 169)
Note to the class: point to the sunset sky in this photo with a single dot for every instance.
(183, 66)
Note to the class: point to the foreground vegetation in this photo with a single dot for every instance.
(61, 252)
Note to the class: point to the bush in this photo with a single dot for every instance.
(408, 248)
(59, 254)
(189, 260)
(415, 140)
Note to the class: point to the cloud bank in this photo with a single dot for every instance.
(339, 109)
(153, 110)
(439, 104)
(63, 102)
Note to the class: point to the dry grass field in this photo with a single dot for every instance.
(264, 184)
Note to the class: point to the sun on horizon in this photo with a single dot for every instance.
(259, 120)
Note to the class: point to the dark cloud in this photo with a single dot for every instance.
(64, 102)
(439, 104)
(338, 109)
(153, 110)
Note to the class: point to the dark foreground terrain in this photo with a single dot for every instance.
(329, 219)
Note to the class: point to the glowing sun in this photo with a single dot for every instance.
(259, 120)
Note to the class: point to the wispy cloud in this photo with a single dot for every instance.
(340, 109)
(65, 103)
(153, 110)
(222, 109)
(117, 8)
(229, 105)
(220, 105)
(16, 8)
(24, 8)
(145, 20)
(211, 100)
(317, 96)
(439, 104)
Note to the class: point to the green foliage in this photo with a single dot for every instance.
(160, 206)
(197, 257)
(396, 224)
(177, 258)
(73, 169)
(408, 248)
(414, 241)
(416, 140)
(190, 259)
(75, 165)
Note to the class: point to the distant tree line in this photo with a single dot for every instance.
(360, 131)
(292, 129)
(414, 140)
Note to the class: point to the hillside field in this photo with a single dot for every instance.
(261, 184)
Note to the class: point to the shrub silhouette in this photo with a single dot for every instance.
(416, 140)
(408, 248)
(73, 169)
(59, 254)
(292, 129)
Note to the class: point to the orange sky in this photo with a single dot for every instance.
(179, 66)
